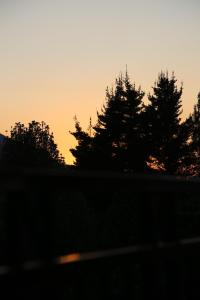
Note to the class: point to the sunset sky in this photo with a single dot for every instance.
(58, 56)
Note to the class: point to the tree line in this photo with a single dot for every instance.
(129, 135)
(31, 146)
(133, 136)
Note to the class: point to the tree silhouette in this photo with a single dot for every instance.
(195, 138)
(196, 126)
(83, 151)
(167, 136)
(31, 146)
(120, 127)
(136, 148)
(109, 143)
(118, 141)
(130, 136)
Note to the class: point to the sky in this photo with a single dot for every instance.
(58, 57)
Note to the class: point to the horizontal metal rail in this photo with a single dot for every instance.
(103, 254)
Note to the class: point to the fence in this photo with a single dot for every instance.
(67, 234)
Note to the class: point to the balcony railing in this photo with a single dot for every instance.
(67, 234)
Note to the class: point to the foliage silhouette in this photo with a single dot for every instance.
(83, 151)
(31, 146)
(195, 139)
(167, 136)
(118, 139)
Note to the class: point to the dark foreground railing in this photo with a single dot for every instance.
(72, 235)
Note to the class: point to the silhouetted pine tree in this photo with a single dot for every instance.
(83, 151)
(118, 142)
(136, 147)
(195, 138)
(196, 126)
(167, 136)
(109, 130)
(119, 135)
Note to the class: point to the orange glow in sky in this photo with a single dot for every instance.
(57, 57)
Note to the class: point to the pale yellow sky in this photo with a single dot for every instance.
(57, 57)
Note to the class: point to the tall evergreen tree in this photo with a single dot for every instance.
(196, 126)
(136, 148)
(195, 138)
(118, 139)
(119, 132)
(167, 136)
(83, 151)
(109, 130)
